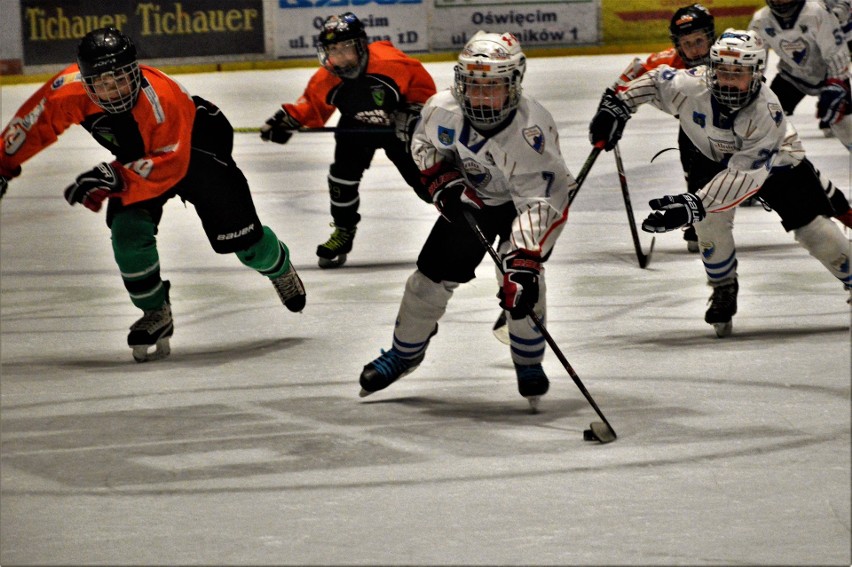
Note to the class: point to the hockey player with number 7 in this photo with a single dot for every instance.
(166, 144)
(745, 147)
(485, 149)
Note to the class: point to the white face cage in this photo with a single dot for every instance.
(737, 63)
(117, 90)
(488, 78)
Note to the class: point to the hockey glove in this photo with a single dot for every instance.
(833, 103)
(279, 128)
(405, 119)
(450, 192)
(672, 212)
(93, 187)
(6, 175)
(519, 293)
(608, 123)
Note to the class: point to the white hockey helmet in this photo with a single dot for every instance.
(736, 54)
(488, 78)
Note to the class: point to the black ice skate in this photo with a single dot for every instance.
(386, 370)
(723, 306)
(152, 330)
(290, 289)
(332, 253)
(532, 383)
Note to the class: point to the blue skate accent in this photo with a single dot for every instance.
(391, 365)
(524, 347)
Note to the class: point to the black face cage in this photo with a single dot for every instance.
(690, 63)
(117, 89)
(505, 98)
(350, 71)
(785, 10)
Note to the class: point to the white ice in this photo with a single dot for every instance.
(250, 445)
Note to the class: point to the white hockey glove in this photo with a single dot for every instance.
(608, 123)
(279, 128)
(93, 187)
(672, 212)
(834, 101)
(405, 119)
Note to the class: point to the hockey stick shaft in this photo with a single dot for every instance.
(474, 226)
(584, 171)
(303, 130)
(622, 178)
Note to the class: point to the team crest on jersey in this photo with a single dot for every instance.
(475, 173)
(700, 119)
(446, 135)
(378, 96)
(770, 31)
(797, 50)
(776, 112)
(535, 138)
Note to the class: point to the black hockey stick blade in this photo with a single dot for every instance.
(645, 259)
(664, 150)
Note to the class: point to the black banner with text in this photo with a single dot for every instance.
(51, 29)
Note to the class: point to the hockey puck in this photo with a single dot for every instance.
(589, 435)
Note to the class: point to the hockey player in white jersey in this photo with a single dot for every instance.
(485, 147)
(745, 145)
(813, 60)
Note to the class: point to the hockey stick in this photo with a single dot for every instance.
(602, 431)
(304, 130)
(644, 259)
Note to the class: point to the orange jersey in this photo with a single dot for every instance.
(390, 80)
(151, 143)
(637, 68)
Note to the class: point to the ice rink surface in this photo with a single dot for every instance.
(250, 445)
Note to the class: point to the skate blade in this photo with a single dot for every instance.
(335, 262)
(161, 350)
(692, 246)
(533, 401)
(723, 329)
(364, 393)
(501, 331)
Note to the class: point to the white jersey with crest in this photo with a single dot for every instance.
(522, 164)
(811, 50)
(748, 142)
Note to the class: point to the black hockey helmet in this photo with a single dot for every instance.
(344, 29)
(109, 69)
(785, 9)
(688, 20)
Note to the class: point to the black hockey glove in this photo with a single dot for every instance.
(450, 192)
(279, 128)
(608, 123)
(672, 212)
(519, 293)
(93, 187)
(833, 102)
(405, 119)
(5, 177)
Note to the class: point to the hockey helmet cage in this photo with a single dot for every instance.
(785, 9)
(109, 69)
(688, 20)
(488, 78)
(337, 33)
(736, 51)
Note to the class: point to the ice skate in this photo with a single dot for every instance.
(153, 329)
(501, 329)
(386, 370)
(691, 239)
(290, 289)
(332, 253)
(532, 383)
(723, 306)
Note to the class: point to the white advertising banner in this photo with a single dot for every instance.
(403, 22)
(535, 23)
